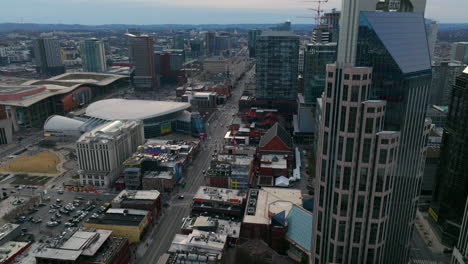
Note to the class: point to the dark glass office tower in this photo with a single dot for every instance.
(451, 187)
(253, 34)
(316, 58)
(277, 54)
(395, 45)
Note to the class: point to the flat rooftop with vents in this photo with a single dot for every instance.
(266, 202)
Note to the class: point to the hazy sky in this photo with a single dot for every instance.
(94, 12)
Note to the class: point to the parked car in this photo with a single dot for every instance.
(52, 224)
(36, 221)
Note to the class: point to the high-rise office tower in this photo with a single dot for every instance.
(460, 251)
(316, 58)
(253, 34)
(47, 56)
(327, 30)
(432, 28)
(285, 26)
(451, 188)
(355, 158)
(210, 43)
(395, 45)
(93, 55)
(142, 58)
(179, 41)
(460, 52)
(355, 161)
(277, 54)
(222, 43)
(444, 74)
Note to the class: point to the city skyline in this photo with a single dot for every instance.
(189, 12)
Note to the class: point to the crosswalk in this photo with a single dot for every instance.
(423, 261)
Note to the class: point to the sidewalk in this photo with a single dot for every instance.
(427, 233)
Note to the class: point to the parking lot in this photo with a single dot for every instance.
(50, 221)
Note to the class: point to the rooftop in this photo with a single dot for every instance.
(6, 229)
(112, 109)
(162, 151)
(87, 243)
(59, 254)
(60, 123)
(117, 216)
(150, 195)
(266, 202)
(219, 226)
(108, 131)
(276, 130)
(206, 193)
(300, 227)
(275, 33)
(274, 162)
(199, 241)
(10, 249)
(158, 175)
(34, 91)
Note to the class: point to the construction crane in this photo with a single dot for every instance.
(318, 9)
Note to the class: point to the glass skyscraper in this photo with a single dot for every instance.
(93, 55)
(451, 187)
(277, 54)
(395, 45)
(316, 58)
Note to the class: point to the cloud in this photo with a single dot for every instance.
(189, 11)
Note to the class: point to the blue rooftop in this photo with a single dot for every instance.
(404, 36)
(300, 227)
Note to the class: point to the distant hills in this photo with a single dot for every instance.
(30, 27)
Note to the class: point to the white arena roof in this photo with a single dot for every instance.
(122, 109)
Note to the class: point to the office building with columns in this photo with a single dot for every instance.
(355, 161)
(102, 151)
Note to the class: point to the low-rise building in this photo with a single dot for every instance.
(218, 202)
(9, 248)
(158, 156)
(221, 89)
(276, 141)
(149, 200)
(215, 65)
(8, 232)
(231, 171)
(128, 223)
(87, 246)
(271, 167)
(163, 181)
(6, 126)
(198, 247)
(262, 205)
(201, 100)
(209, 224)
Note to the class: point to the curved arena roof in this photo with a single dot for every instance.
(21, 95)
(61, 123)
(122, 109)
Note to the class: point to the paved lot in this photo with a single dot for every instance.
(43, 233)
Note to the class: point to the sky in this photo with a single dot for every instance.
(97, 12)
